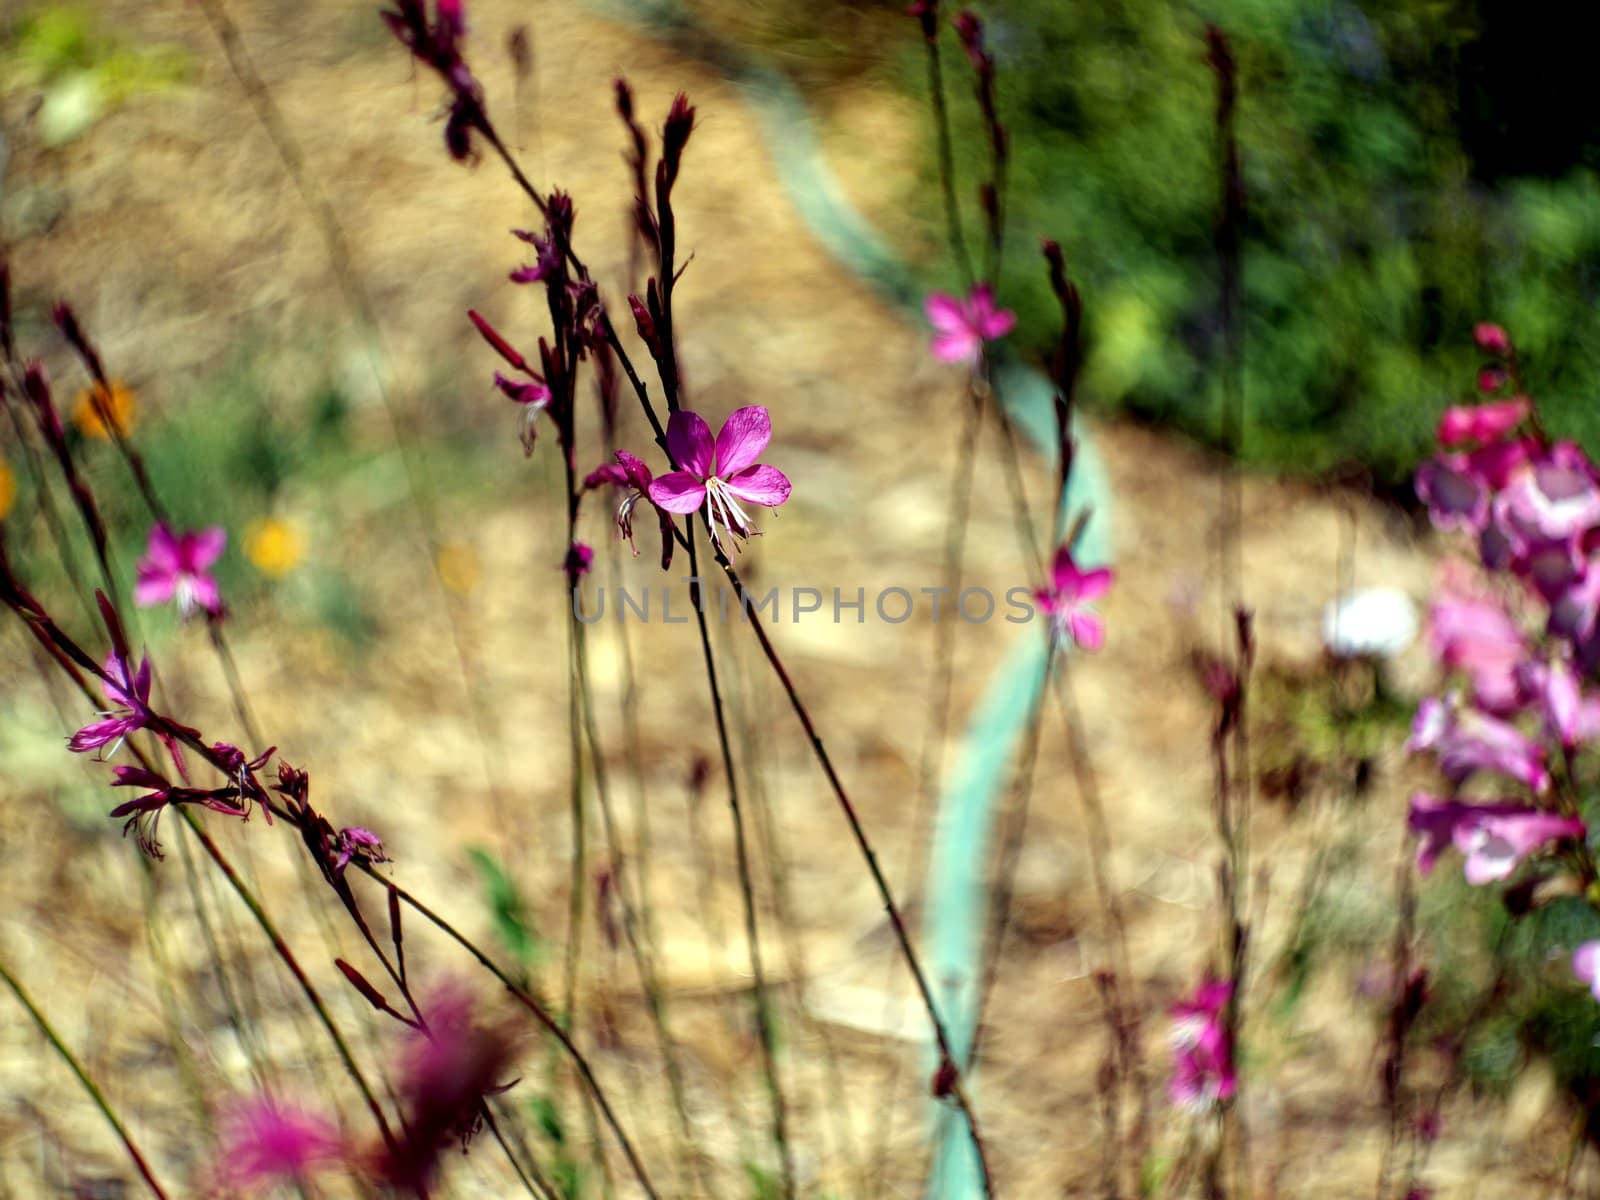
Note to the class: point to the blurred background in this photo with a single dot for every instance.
(250, 207)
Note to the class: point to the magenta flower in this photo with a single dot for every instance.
(1586, 966)
(265, 1143)
(1468, 741)
(358, 844)
(178, 566)
(631, 474)
(1491, 338)
(534, 397)
(129, 694)
(963, 326)
(1494, 838)
(1482, 422)
(1554, 498)
(1473, 633)
(1202, 1054)
(719, 476)
(1569, 715)
(1456, 495)
(577, 563)
(1067, 598)
(447, 1068)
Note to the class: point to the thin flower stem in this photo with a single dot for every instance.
(763, 1004)
(638, 947)
(864, 844)
(140, 1163)
(550, 1024)
(282, 949)
(947, 169)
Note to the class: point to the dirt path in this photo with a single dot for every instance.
(181, 235)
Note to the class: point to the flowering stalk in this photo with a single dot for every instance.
(140, 1163)
(472, 117)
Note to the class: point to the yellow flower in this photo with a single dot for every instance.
(119, 404)
(273, 547)
(8, 490)
(458, 567)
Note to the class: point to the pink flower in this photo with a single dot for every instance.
(963, 326)
(578, 560)
(177, 566)
(1067, 598)
(1569, 715)
(1555, 497)
(446, 1069)
(265, 1143)
(1482, 422)
(1202, 1054)
(1494, 838)
(719, 476)
(1586, 966)
(1472, 632)
(1491, 338)
(129, 694)
(631, 474)
(358, 844)
(1457, 496)
(1468, 741)
(534, 398)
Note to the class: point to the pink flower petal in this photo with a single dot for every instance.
(760, 484)
(204, 547)
(689, 441)
(154, 587)
(944, 312)
(678, 491)
(204, 590)
(1094, 584)
(997, 325)
(956, 346)
(1087, 629)
(162, 551)
(744, 436)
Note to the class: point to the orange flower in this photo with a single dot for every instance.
(120, 404)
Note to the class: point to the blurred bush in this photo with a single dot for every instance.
(1411, 167)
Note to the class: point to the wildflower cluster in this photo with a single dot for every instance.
(1202, 1050)
(1519, 636)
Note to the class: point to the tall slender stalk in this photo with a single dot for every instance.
(140, 1163)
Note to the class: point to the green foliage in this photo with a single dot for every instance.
(1383, 219)
(511, 921)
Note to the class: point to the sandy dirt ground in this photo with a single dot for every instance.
(177, 230)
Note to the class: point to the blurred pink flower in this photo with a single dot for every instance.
(266, 1143)
(1067, 597)
(719, 475)
(358, 844)
(1202, 1054)
(129, 693)
(963, 326)
(1494, 838)
(1467, 741)
(1554, 497)
(1482, 422)
(1472, 632)
(1586, 966)
(178, 566)
(447, 1068)
(1491, 338)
